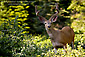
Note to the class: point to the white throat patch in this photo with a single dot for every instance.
(50, 35)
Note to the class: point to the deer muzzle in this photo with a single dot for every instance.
(49, 27)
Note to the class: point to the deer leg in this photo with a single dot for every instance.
(56, 47)
(72, 44)
(64, 47)
(55, 50)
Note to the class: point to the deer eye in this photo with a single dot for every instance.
(45, 23)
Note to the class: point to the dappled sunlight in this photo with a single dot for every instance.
(23, 35)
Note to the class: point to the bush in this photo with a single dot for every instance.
(15, 42)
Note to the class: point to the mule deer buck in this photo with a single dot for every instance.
(59, 38)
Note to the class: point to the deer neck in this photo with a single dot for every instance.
(50, 32)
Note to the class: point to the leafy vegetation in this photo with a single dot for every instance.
(21, 32)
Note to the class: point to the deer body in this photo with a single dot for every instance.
(59, 38)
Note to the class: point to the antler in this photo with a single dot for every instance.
(37, 14)
(56, 11)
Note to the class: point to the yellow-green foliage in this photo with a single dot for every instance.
(41, 47)
(78, 26)
(14, 43)
(8, 13)
(77, 9)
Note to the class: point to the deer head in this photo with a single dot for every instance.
(53, 18)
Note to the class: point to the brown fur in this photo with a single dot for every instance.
(60, 37)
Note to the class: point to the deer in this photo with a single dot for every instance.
(59, 38)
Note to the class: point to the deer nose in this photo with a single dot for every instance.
(49, 26)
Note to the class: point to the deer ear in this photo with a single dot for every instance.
(42, 19)
(54, 19)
